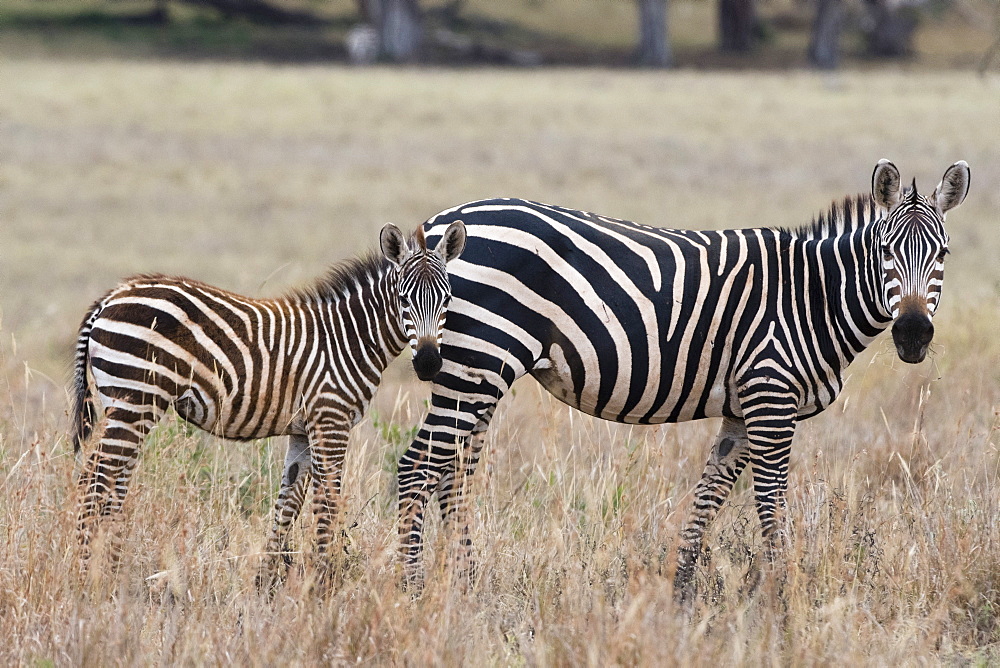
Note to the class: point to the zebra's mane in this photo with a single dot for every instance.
(344, 276)
(842, 218)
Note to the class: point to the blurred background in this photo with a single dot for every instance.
(653, 33)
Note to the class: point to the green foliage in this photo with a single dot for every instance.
(396, 438)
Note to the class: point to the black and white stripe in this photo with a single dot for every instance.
(646, 325)
(304, 365)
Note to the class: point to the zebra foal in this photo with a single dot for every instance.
(645, 325)
(304, 365)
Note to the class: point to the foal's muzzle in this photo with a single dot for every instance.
(427, 361)
(912, 334)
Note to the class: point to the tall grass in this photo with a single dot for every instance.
(256, 177)
(893, 550)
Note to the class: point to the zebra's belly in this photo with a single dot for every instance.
(652, 398)
(817, 398)
(243, 420)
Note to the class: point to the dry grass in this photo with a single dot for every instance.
(256, 177)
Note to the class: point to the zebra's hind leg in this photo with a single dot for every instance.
(453, 501)
(291, 496)
(106, 476)
(728, 458)
(114, 529)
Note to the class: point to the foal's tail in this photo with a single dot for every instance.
(83, 414)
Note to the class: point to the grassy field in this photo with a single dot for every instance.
(257, 177)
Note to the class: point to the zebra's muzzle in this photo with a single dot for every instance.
(912, 334)
(427, 361)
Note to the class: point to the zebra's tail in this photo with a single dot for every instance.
(82, 417)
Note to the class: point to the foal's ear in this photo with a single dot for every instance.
(393, 244)
(453, 242)
(885, 185)
(954, 186)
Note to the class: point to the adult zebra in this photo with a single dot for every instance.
(644, 325)
(305, 364)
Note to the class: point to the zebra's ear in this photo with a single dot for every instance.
(393, 244)
(954, 186)
(453, 242)
(885, 185)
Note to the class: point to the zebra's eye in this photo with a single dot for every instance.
(887, 254)
(940, 256)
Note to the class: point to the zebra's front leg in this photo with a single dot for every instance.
(328, 445)
(453, 500)
(726, 462)
(417, 479)
(433, 455)
(294, 483)
(770, 411)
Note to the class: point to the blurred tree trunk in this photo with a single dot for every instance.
(370, 11)
(737, 20)
(161, 12)
(399, 27)
(654, 44)
(892, 28)
(824, 46)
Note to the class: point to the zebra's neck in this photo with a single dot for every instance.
(366, 292)
(849, 283)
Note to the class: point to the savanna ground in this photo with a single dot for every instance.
(256, 177)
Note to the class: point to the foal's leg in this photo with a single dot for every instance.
(328, 446)
(294, 482)
(109, 469)
(115, 530)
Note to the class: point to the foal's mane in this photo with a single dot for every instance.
(343, 277)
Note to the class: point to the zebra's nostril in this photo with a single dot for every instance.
(912, 333)
(928, 334)
(427, 362)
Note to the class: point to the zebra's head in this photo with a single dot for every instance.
(423, 289)
(912, 245)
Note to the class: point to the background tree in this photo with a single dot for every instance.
(654, 43)
(737, 20)
(824, 45)
(399, 27)
(891, 27)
